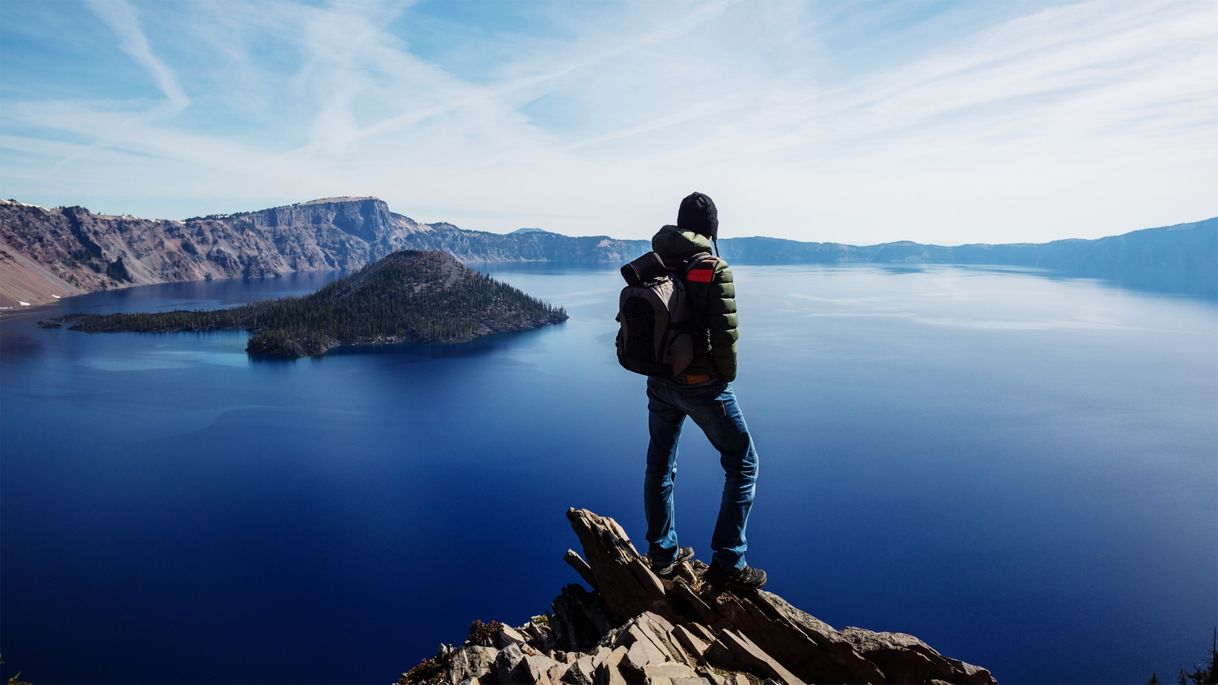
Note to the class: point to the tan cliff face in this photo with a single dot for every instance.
(50, 253)
(67, 251)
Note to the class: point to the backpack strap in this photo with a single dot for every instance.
(701, 268)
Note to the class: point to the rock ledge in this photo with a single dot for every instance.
(636, 627)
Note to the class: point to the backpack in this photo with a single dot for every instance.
(655, 338)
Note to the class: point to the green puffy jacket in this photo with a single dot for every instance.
(712, 303)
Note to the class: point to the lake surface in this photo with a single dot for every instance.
(1022, 471)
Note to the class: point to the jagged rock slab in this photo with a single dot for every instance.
(734, 649)
(635, 627)
(807, 646)
(623, 580)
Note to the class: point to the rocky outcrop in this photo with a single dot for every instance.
(46, 254)
(633, 626)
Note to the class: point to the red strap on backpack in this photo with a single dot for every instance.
(701, 269)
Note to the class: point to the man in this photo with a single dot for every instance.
(703, 393)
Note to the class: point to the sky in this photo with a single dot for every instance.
(858, 122)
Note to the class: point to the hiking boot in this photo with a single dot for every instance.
(684, 554)
(736, 581)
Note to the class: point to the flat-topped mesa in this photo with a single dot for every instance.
(366, 218)
(339, 199)
(637, 627)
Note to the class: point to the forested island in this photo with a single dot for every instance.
(409, 296)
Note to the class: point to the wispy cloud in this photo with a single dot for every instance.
(974, 122)
(121, 17)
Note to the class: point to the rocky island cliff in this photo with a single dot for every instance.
(632, 626)
(50, 253)
(409, 296)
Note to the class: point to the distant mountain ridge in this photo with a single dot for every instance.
(1182, 258)
(51, 253)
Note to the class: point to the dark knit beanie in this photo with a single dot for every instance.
(698, 214)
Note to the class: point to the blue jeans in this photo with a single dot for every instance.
(713, 407)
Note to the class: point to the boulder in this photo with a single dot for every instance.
(906, 659)
(582, 672)
(470, 663)
(532, 668)
(507, 635)
(607, 669)
(506, 661)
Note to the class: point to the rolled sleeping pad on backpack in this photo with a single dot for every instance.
(645, 268)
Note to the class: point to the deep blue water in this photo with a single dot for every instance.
(1022, 471)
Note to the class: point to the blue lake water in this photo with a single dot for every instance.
(1021, 470)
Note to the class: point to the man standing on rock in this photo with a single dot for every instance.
(704, 393)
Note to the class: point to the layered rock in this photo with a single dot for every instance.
(634, 626)
(51, 253)
(78, 251)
